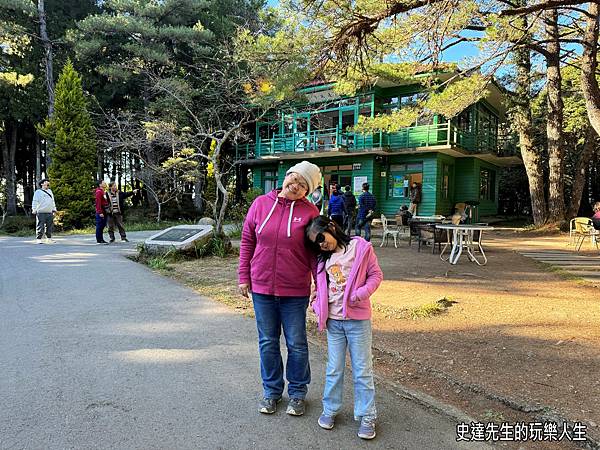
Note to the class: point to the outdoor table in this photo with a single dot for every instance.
(427, 218)
(462, 238)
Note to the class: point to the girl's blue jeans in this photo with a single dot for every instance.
(354, 335)
(272, 315)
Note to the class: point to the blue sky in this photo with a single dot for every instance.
(454, 54)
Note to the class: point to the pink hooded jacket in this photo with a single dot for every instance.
(274, 259)
(365, 277)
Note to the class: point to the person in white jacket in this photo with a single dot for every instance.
(43, 207)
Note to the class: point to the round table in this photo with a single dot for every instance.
(462, 239)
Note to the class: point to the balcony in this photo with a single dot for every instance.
(336, 140)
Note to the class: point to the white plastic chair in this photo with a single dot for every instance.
(387, 231)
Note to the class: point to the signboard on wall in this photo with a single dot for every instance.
(321, 96)
(358, 182)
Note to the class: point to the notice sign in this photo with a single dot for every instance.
(180, 237)
(176, 234)
(358, 182)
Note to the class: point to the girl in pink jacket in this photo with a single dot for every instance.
(347, 275)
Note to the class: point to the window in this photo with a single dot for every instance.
(445, 181)
(402, 176)
(464, 120)
(487, 184)
(269, 180)
(409, 100)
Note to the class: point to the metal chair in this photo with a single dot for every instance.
(388, 231)
(429, 234)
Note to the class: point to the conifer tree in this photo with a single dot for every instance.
(73, 154)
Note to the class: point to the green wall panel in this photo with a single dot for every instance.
(390, 205)
(464, 180)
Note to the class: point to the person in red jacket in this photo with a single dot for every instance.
(101, 207)
(276, 266)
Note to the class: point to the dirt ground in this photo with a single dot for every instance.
(521, 341)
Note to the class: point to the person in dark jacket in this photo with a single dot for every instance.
(115, 199)
(415, 198)
(336, 208)
(366, 209)
(350, 208)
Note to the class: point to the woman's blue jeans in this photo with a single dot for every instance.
(354, 335)
(272, 315)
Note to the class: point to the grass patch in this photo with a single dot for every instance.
(559, 271)
(493, 416)
(158, 263)
(420, 312)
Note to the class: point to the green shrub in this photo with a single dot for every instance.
(216, 246)
(19, 225)
(73, 152)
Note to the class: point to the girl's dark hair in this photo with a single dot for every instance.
(320, 224)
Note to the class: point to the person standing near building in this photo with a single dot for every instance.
(415, 198)
(366, 210)
(44, 208)
(101, 208)
(350, 209)
(276, 266)
(336, 208)
(116, 200)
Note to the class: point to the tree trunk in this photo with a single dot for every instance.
(38, 160)
(589, 65)
(198, 190)
(580, 169)
(48, 64)
(554, 126)
(100, 164)
(9, 150)
(524, 125)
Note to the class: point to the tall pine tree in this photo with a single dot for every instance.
(73, 155)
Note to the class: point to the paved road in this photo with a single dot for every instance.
(99, 352)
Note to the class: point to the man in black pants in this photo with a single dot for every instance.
(115, 210)
(350, 210)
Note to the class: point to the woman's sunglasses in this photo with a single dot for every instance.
(319, 238)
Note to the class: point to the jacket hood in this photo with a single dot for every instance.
(274, 196)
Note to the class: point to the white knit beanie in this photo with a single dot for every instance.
(310, 172)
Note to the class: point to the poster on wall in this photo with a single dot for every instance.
(398, 186)
(358, 182)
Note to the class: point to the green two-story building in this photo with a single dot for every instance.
(454, 160)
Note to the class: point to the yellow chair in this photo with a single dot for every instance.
(460, 213)
(581, 228)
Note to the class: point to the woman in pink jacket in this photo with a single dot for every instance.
(276, 266)
(347, 275)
